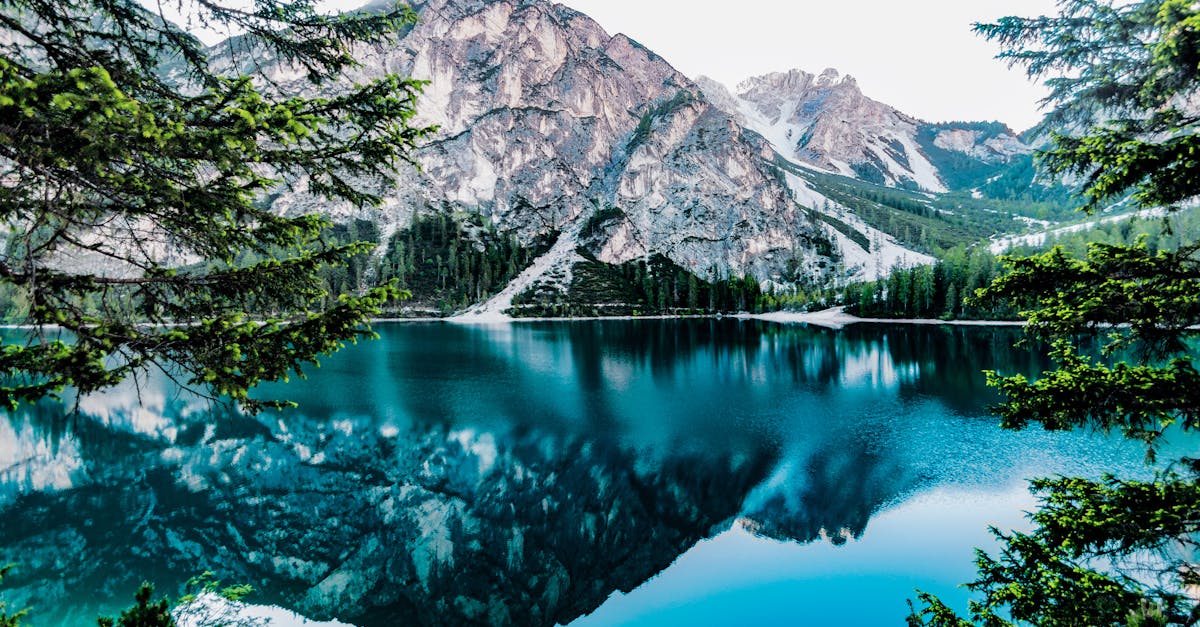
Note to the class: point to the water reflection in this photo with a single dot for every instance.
(505, 475)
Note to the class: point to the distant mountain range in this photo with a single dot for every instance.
(825, 121)
(553, 130)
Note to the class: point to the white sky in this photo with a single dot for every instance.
(919, 56)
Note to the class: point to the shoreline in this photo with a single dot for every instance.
(837, 318)
(833, 318)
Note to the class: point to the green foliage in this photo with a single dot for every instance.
(111, 164)
(1069, 570)
(841, 227)
(870, 171)
(6, 619)
(1166, 233)
(189, 612)
(1117, 70)
(1154, 296)
(1021, 180)
(597, 222)
(1010, 179)
(144, 612)
(945, 289)
(931, 225)
(207, 583)
(660, 110)
(450, 262)
(358, 273)
(938, 223)
(937, 291)
(1120, 323)
(653, 286)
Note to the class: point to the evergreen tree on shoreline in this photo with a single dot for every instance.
(1119, 323)
(132, 173)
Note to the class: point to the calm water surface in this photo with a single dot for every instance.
(714, 472)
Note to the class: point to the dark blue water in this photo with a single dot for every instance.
(715, 472)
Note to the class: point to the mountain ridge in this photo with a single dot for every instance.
(552, 129)
(826, 121)
(545, 118)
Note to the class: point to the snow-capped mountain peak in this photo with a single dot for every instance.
(830, 77)
(824, 120)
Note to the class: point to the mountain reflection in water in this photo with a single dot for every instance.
(513, 474)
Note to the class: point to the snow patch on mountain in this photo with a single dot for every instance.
(919, 167)
(860, 264)
(825, 121)
(210, 608)
(1004, 244)
(556, 263)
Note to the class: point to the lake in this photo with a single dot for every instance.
(645, 472)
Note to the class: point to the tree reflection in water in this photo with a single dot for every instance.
(506, 475)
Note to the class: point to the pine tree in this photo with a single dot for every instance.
(1116, 551)
(693, 292)
(121, 141)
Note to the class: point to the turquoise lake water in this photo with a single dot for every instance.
(657, 472)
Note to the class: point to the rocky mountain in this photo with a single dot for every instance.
(824, 120)
(545, 119)
(597, 156)
(892, 190)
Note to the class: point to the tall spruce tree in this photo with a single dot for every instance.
(134, 164)
(1124, 76)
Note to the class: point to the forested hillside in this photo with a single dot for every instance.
(943, 290)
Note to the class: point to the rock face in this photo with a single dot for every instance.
(989, 148)
(333, 519)
(824, 120)
(549, 127)
(544, 118)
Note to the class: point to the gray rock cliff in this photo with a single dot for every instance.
(544, 118)
(825, 121)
